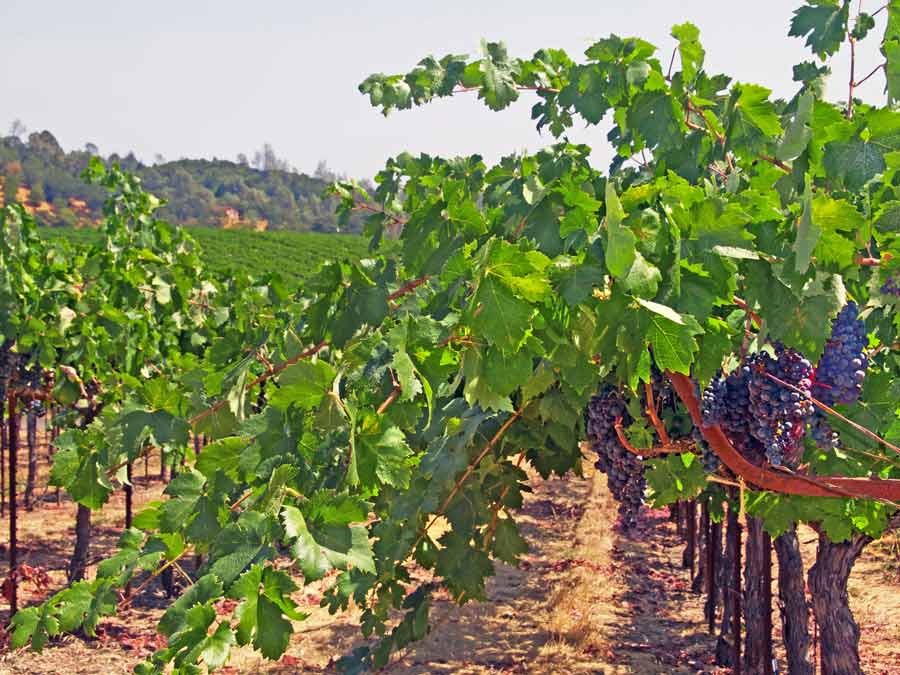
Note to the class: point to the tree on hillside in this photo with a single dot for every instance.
(18, 129)
(267, 160)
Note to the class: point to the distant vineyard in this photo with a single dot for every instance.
(298, 254)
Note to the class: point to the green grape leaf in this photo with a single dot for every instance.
(382, 456)
(674, 344)
(620, 240)
(498, 85)
(463, 567)
(754, 118)
(855, 162)
(303, 384)
(222, 455)
(264, 595)
(206, 588)
(34, 624)
(215, 649)
(689, 48)
(808, 234)
(508, 543)
(501, 317)
(326, 546)
(90, 486)
(824, 23)
(798, 133)
(675, 477)
(838, 221)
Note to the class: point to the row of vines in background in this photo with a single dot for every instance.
(228, 253)
(727, 292)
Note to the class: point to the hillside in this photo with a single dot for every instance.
(213, 193)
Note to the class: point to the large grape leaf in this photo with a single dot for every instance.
(824, 23)
(326, 545)
(689, 48)
(620, 240)
(264, 609)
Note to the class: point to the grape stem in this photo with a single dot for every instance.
(408, 287)
(259, 380)
(365, 206)
(654, 418)
(744, 306)
(668, 448)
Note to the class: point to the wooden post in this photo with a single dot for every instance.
(690, 528)
(734, 532)
(713, 553)
(767, 602)
(31, 475)
(129, 491)
(2, 459)
(13, 543)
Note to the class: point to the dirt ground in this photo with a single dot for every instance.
(586, 600)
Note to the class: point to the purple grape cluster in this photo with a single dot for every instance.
(36, 408)
(625, 470)
(842, 368)
(726, 402)
(890, 286)
(822, 433)
(760, 416)
(711, 461)
(780, 413)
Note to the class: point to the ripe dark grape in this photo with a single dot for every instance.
(37, 408)
(842, 368)
(779, 413)
(726, 402)
(624, 470)
(890, 286)
(822, 433)
(711, 461)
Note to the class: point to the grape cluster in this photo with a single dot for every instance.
(760, 416)
(726, 402)
(780, 413)
(711, 461)
(890, 286)
(36, 408)
(625, 470)
(841, 371)
(822, 433)
(843, 364)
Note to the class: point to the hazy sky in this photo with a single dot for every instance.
(204, 78)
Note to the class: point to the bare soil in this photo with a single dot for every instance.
(585, 600)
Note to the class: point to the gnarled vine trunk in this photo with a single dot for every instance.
(728, 645)
(78, 562)
(757, 601)
(699, 582)
(828, 586)
(794, 606)
(713, 583)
